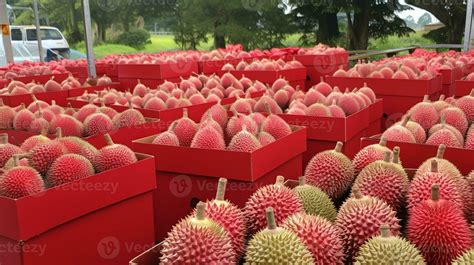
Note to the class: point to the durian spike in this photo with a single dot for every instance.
(221, 189)
(3, 138)
(59, 132)
(435, 192)
(338, 147)
(385, 230)
(301, 181)
(434, 166)
(108, 139)
(383, 141)
(396, 155)
(201, 211)
(386, 156)
(280, 180)
(441, 150)
(271, 223)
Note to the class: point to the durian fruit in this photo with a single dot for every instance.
(331, 171)
(385, 180)
(315, 201)
(276, 245)
(466, 259)
(386, 249)
(369, 154)
(360, 218)
(438, 229)
(280, 198)
(229, 216)
(197, 240)
(319, 235)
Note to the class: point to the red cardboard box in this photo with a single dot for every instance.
(398, 95)
(130, 83)
(463, 88)
(123, 136)
(451, 75)
(157, 71)
(82, 71)
(324, 132)
(375, 117)
(42, 79)
(186, 176)
(413, 155)
(448, 90)
(314, 73)
(323, 60)
(111, 70)
(268, 77)
(76, 92)
(59, 96)
(88, 221)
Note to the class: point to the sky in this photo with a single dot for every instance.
(415, 13)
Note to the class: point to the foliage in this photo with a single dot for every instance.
(438, 35)
(136, 38)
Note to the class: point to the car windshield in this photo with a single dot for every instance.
(46, 34)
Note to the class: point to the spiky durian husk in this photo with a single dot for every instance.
(316, 202)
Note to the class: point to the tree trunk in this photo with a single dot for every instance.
(456, 32)
(328, 29)
(359, 28)
(219, 39)
(75, 35)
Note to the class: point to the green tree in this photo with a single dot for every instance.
(451, 13)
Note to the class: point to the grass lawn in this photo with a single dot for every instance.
(166, 43)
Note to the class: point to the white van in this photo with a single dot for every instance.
(51, 38)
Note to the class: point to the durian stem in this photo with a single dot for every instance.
(301, 181)
(435, 192)
(472, 93)
(441, 98)
(338, 147)
(396, 155)
(365, 84)
(356, 192)
(201, 211)
(173, 126)
(108, 139)
(267, 107)
(434, 166)
(16, 160)
(1, 103)
(426, 98)
(185, 113)
(280, 180)
(385, 230)
(386, 156)
(271, 223)
(383, 141)
(59, 132)
(443, 120)
(221, 189)
(4, 138)
(404, 121)
(441, 150)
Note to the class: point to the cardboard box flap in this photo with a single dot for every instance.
(149, 257)
(67, 202)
